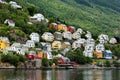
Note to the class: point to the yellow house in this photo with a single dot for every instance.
(56, 45)
(66, 45)
(4, 44)
(62, 27)
(98, 54)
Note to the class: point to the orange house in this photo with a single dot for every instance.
(41, 54)
(62, 27)
(98, 54)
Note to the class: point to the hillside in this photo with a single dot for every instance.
(97, 16)
(22, 29)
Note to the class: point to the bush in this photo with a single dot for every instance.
(99, 63)
(50, 62)
(10, 58)
(88, 60)
(45, 62)
(77, 56)
(14, 60)
(116, 64)
(107, 64)
(22, 58)
(55, 60)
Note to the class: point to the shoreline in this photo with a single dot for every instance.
(64, 68)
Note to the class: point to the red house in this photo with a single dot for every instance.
(71, 28)
(32, 55)
(61, 61)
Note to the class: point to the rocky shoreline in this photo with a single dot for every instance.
(62, 68)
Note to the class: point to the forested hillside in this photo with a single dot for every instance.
(97, 16)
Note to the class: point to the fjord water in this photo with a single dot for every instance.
(73, 74)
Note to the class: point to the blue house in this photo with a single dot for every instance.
(107, 54)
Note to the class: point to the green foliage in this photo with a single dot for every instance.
(10, 58)
(13, 59)
(55, 52)
(31, 9)
(116, 64)
(107, 63)
(50, 62)
(55, 60)
(100, 63)
(97, 16)
(77, 56)
(41, 27)
(52, 30)
(22, 58)
(45, 62)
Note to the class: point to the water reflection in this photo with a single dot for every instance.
(59, 74)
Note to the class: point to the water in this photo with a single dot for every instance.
(59, 74)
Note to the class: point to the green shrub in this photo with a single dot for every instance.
(107, 64)
(10, 58)
(116, 64)
(45, 62)
(22, 58)
(77, 56)
(55, 60)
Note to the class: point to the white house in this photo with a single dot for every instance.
(81, 40)
(79, 30)
(2, 1)
(76, 35)
(23, 50)
(20, 51)
(9, 22)
(76, 44)
(88, 35)
(15, 47)
(46, 46)
(35, 37)
(90, 41)
(39, 17)
(103, 38)
(99, 48)
(89, 47)
(113, 41)
(49, 54)
(65, 51)
(67, 35)
(88, 53)
(5, 39)
(15, 5)
(47, 36)
(30, 43)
